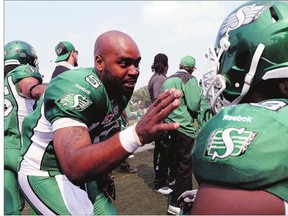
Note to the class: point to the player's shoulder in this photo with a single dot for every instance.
(79, 82)
(265, 111)
(266, 106)
(79, 72)
(272, 104)
(78, 75)
(23, 71)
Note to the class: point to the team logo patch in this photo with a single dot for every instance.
(229, 142)
(76, 101)
(243, 16)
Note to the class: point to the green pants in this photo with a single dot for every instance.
(13, 199)
(57, 195)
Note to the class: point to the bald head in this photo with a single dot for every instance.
(116, 62)
(113, 41)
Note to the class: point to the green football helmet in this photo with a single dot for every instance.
(19, 52)
(251, 46)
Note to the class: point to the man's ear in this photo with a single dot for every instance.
(99, 63)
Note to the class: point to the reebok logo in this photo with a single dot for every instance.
(83, 89)
(238, 118)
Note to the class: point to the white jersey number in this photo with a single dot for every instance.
(8, 107)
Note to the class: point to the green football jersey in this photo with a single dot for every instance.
(245, 146)
(189, 106)
(16, 107)
(75, 98)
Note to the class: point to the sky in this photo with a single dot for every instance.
(176, 28)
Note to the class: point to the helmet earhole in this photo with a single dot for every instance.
(274, 15)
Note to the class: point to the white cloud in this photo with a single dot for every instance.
(162, 13)
(189, 22)
(179, 28)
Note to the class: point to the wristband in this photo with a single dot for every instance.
(129, 139)
(31, 88)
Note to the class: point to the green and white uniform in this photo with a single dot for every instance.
(245, 146)
(189, 102)
(16, 107)
(77, 98)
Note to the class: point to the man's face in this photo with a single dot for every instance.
(121, 71)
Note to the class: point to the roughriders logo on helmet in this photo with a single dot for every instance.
(243, 16)
(246, 53)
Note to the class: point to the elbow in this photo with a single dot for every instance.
(74, 174)
(75, 177)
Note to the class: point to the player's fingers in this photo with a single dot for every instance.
(166, 103)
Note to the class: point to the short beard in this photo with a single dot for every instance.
(111, 84)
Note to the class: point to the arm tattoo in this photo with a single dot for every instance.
(72, 135)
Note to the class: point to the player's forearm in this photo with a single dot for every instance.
(83, 161)
(102, 158)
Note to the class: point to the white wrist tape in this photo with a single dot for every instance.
(129, 139)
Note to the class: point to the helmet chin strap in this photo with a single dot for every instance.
(250, 75)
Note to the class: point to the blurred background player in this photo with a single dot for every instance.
(67, 58)
(163, 172)
(182, 139)
(22, 87)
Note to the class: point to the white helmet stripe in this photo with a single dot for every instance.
(276, 73)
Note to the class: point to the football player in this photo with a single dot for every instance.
(240, 156)
(22, 87)
(69, 147)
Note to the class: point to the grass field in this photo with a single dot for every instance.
(135, 192)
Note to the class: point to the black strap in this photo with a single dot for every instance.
(31, 89)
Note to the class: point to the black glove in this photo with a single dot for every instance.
(107, 186)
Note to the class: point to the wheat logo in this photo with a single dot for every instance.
(75, 101)
(243, 16)
(229, 142)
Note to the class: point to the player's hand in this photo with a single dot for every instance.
(186, 200)
(187, 196)
(152, 123)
